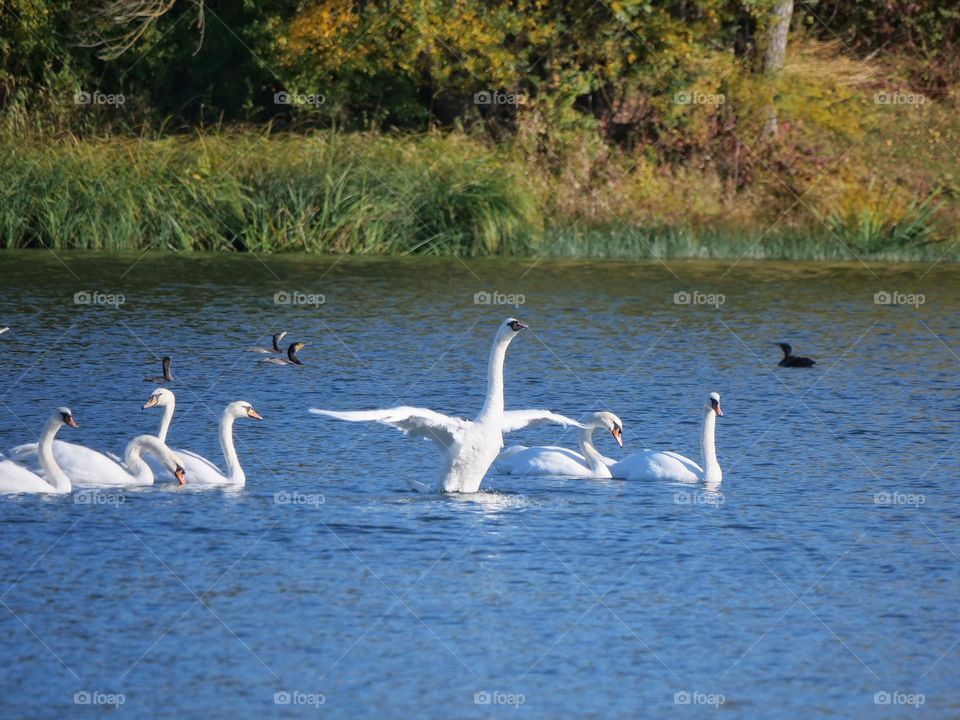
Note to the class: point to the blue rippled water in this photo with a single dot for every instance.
(821, 581)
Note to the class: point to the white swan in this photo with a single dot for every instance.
(162, 397)
(88, 467)
(667, 465)
(551, 460)
(198, 468)
(469, 447)
(3, 330)
(17, 479)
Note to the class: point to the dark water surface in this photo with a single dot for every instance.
(825, 571)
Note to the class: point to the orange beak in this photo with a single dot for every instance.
(180, 475)
(150, 403)
(254, 414)
(618, 436)
(71, 422)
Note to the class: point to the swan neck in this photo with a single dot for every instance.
(594, 459)
(708, 450)
(133, 459)
(234, 471)
(493, 403)
(165, 422)
(51, 469)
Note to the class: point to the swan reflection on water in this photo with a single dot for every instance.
(491, 502)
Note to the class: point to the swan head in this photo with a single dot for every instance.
(241, 408)
(509, 329)
(713, 404)
(159, 449)
(161, 397)
(63, 416)
(606, 421)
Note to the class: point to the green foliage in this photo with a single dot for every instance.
(397, 155)
(880, 227)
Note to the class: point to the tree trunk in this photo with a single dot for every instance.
(775, 54)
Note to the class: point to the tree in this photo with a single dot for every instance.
(775, 54)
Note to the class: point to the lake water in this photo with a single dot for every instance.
(824, 572)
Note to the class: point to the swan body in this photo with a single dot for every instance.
(673, 467)
(89, 467)
(468, 447)
(198, 468)
(559, 461)
(275, 350)
(3, 330)
(15, 478)
(290, 359)
(167, 375)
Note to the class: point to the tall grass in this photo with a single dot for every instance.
(435, 194)
(244, 191)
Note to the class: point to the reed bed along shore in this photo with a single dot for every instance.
(369, 193)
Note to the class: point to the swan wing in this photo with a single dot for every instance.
(418, 422)
(547, 460)
(685, 461)
(520, 419)
(197, 468)
(81, 464)
(656, 465)
(17, 479)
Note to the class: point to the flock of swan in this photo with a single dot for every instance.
(468, 447)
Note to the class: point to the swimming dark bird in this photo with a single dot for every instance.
(277, 337)
(167, 375)
(290, 359)
(790, 360)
